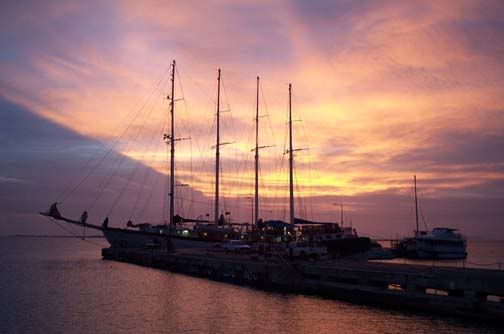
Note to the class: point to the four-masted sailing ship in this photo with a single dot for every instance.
(205, 233)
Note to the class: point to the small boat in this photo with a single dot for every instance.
(440, 243)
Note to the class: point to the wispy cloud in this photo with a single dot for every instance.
(4, 179)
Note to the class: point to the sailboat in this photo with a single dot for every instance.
(338, 240)
(439, 243)
(174, 235)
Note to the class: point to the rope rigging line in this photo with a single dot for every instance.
(148, 199)
(138, 163)
(281, 200)
(225, 190)
(147, 173)
(264, 101)
(187, 125)
(205, 154)
(241, 181)
(123, 156)
(240, 159)
(307, 139)
(210, 100)
(207, 168)
(84, 179)
(188, 129)
(155, 181)
(75, 234)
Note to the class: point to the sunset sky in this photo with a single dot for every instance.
(383, 90)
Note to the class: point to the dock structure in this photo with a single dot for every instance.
(474, 293)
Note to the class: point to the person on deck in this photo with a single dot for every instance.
(83, 218)
(105, 223)
(53, 211)
(221, 220)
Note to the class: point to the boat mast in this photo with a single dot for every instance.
(217, 152)
(341, 204)
(291, 162)
(256, 197)
(172, 145)
(416, 206)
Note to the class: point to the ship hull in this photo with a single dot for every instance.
(437, 255)
(347, 246)
(123, 238)
(181, 243)
(431, 249)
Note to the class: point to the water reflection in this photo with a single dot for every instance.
(62, 285)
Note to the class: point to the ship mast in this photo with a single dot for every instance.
(291, 162)
(256, 197)
(217, 152)
(172, 145)
(416, 206)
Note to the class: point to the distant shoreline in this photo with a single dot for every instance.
(50, 236)
(474, 239)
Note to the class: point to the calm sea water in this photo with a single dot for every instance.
(61, 285)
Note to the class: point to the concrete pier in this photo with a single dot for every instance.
(474, 293)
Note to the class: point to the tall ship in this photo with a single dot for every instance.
(178, 232)
(338, 240)
(439, 243)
